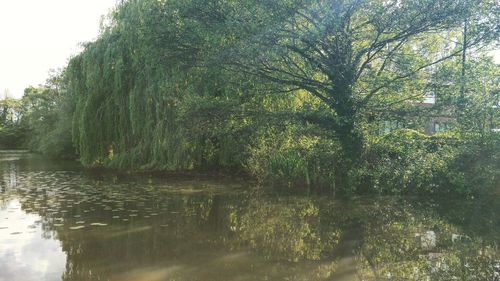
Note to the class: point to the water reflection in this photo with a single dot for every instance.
(104, 228)
(24, 253)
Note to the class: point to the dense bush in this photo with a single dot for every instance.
(475, 166)
(287, 158)
(12, 137)
(404, 161)
(46, 113)
(407, 161)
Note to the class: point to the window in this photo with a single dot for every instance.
(390, 125)
(440, 127)
(430, 98)
(436, 127)
(496, 101)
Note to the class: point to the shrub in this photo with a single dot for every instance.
(283, 158)
(407, 161)
(12, 137)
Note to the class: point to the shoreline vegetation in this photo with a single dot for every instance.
(352, 97)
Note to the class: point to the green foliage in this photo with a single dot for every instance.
(12, 131)
(405, 161)
(135, 87)
(475, 167)
(290, 92)
(410, 162)
(12, 137)
(47, 113)
(286, 157)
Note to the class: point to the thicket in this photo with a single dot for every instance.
(12, 132)
(291, 92)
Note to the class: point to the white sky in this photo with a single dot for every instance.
(39, 35)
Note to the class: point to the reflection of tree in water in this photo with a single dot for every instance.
(288, 229)
(9, 176)
(410, 241)
(8, 181)
(193, 235)
(389, 239)
(165, 241)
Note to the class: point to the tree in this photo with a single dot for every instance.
(47, 113)
(346, 52)
(12, 131)
(180, 85)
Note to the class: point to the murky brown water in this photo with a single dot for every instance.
(58, 222)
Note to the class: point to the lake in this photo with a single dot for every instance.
(60, 222)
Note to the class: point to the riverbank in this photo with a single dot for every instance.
(403, 162)
(193, 229)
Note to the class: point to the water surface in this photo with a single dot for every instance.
(58, 222)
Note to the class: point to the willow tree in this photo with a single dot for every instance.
(150, 87)
(345, 53)
(134, 84)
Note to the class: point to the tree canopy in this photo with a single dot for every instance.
(296, 88)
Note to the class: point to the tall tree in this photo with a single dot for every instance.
(346, 52)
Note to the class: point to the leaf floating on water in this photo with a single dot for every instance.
(153, 214)
(133, 215)
(116, 217)
(98, 224)
(77, 227)
(125, 219)
(80, 222)
(58, 224)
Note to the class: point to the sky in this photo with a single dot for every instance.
(39, 35)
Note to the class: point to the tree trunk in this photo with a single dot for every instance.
(350, 139)
(461, 103)
(351, 142)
